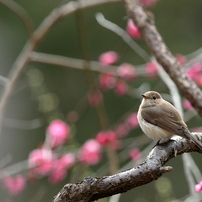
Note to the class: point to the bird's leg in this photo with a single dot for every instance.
(158, 143)
(162, 143)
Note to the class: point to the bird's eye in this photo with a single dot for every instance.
(154, 98)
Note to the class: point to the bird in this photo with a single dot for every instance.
(160, 120)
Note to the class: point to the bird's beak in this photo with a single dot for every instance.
(144, 96)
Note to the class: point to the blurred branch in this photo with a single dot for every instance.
(123, 34)
(93, 188)
(21, 13)
(78, 63)
(24, 124)
(145, 23)
(172, 88)
(186, 158)
(38, 35)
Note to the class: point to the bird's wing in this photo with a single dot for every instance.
(166, 118)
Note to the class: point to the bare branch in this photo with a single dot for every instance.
(145, 23)
(74, 63)
(123, 34)
(93, 188)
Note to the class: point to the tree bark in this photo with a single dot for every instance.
(94, 188)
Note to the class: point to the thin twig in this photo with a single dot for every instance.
(123, 34)
(23, 124)
(22, 14)
(74, 63)
(186, 158)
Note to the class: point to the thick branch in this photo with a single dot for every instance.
(92, 188)
(145, 23)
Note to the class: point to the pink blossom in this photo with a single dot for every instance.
(121, 87)
(106, 81)
(57, 133)
(198, 187)
(95, 98)
(14, 185)
(60, 167)
(108, 58)
(195, 71)
(121, 130)
(90, 152)
(148, 3)
(67, 160)
(106, 137)
(181, 59)
(187, 104)
(132, 121)
(42, 160)
(151, 69)
(135, 154)
(58, 173)
(126, 71)
(133, 30)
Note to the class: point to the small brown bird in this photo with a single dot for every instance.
(160, 120)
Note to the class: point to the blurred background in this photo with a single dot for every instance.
(45, 92)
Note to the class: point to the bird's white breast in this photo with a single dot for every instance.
(153, 131)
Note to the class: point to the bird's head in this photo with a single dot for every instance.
(151, 98)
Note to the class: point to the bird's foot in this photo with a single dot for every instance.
(162, 143)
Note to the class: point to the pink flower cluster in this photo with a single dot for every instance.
(108, 80)
(45, 163)
(195, 73)
(108, 138)
(198, 187)
(90, 153)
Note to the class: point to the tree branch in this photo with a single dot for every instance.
(74, 63)
(93, 188)
(153, 39)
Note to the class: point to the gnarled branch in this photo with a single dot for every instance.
(153, 39)
(92, 188)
